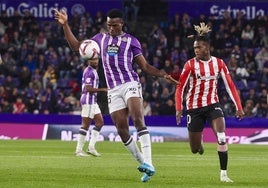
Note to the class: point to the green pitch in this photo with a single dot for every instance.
(34, 164)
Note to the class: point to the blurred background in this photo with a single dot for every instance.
(39, 73)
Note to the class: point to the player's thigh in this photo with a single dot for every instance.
(216, 118)
(116, 99)
(120, 118)
(195, 120)
(195, 139)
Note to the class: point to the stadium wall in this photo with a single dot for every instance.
(162, 129)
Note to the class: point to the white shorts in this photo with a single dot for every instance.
(90, 110)
(118, 96)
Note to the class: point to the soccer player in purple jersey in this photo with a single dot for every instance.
(119, 50)
(90, 109)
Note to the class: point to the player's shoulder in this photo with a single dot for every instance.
(214, 58)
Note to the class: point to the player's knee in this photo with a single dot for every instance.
(221, 138)
(138, 122)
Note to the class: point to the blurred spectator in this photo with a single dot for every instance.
(227, 106)
(135, 7)
(44, 106)
(167, 108)
(2, 29)
(24, 77)
(252, 95)
(30, 63)
(261, 57)
(32, 105)
(19, 106)
(263, 104)
(168, 66)
(41, 42)
(165, 95)
(6, 107)
(50, 77)
(9, 82)
(146, 88)
(249, 109)
(65, 107)
(147, 108)
(36, 79)
(247, 36)
(156, 90)
(176, 72)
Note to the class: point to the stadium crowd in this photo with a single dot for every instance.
(41, 75)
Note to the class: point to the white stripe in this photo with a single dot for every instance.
(215, 82)
(197, 86)
(108, 65)
(117, 62)
(206, 85)
(126, 58)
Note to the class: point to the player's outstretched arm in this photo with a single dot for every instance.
(62, 18)
(151, 70)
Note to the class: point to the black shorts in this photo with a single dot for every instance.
(196, 118)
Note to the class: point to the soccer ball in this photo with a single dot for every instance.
(89, 49)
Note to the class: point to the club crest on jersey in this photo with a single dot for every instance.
(112, 50)
(124, 39)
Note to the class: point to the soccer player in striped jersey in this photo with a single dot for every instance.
(90, 109)
(119, 50)
(200, 75)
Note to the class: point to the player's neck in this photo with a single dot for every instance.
(206, 59)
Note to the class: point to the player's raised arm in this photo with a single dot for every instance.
(62, 18)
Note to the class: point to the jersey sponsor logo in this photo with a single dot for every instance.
(211, 77)
(112, 50)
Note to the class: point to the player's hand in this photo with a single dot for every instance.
(172, 80)
(240, 114)
(178, 116)
(61, 16)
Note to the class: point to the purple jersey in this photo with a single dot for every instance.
(117, 55)
(90, 77)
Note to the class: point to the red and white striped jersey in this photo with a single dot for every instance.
(203, 83)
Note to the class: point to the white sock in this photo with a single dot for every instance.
(80, 142)
(132, 147)
(93, 138)
(146, 148)
(223, 172)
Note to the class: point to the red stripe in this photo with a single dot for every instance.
(211, 82)
(191, 100)
(202, 84)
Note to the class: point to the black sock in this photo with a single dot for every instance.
(223, 156)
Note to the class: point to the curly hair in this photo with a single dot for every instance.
(202, 33)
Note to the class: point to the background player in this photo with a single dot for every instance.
(90, 109)
(201, 73)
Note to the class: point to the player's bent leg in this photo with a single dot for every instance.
(195, 140)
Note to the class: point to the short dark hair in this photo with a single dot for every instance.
(204, 38)
(115, 13)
